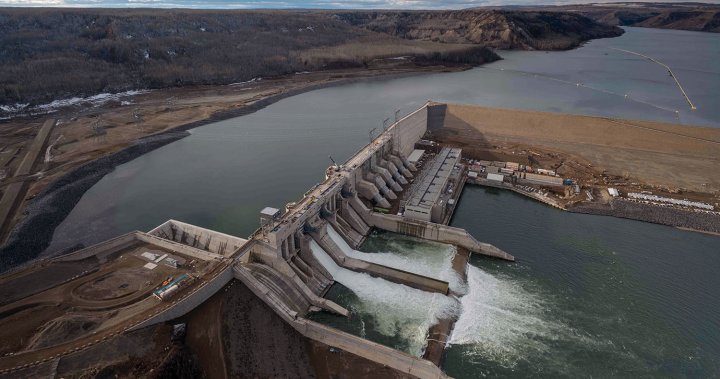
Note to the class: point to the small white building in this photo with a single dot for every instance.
(495, 177)
(613, 192)
(149, 256)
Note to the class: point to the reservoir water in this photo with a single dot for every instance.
(589, 296)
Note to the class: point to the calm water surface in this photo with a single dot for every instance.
(589, 296)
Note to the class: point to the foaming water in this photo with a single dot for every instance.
(411, 254)
(504, 323)
(395, 310)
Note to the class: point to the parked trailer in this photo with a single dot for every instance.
(162, 295)
(169, 289)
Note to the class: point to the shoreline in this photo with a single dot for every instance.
(682, 219)
(27, 240)
(638, 213)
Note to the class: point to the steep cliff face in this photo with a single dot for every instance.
(499, 29)
(682, 16)
(701, 21)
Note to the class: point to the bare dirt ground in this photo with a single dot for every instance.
(56, 316)
(205, 335)
(257, 342)
(637, 155)
(138, 354)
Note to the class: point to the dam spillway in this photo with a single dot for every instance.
(300, 251)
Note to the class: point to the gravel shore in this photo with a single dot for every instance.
(680, 218)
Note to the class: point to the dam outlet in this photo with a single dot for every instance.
(426, 258)
(382, 311)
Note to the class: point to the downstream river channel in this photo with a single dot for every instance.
(589, 295)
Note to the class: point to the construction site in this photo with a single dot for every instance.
(408, 181)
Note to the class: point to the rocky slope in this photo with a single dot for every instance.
(682, 16)
(496, 28)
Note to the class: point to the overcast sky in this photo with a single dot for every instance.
(331, 4)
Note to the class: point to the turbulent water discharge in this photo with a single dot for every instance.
(395, 311)
(406, 253)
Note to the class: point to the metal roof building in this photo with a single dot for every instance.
(424, 203)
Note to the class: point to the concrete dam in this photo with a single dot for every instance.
(377, 188)
(290, 262)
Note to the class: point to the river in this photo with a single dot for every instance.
(589, 296)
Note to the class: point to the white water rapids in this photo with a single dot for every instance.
(425, 258)
(497, 318)
(396, 310)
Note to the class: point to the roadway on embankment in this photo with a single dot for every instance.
(14, 192)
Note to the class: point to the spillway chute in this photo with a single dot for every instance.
(393, 309)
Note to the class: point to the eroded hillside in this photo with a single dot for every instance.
(499, 29)
(50, 54)
(699, 17)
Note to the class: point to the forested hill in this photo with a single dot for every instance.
(51, 53)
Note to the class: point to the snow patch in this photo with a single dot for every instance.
(10, 111)
(253, 80)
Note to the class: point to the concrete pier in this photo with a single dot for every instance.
(373, 269)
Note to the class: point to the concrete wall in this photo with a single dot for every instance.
(402, 362)
(190, 301)
(410, 279)
(436, 116)
(356, 175)
(409, 130)
(201, 238)
(278, 264)
(106, 248)
(179, 247)
(436, 232)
